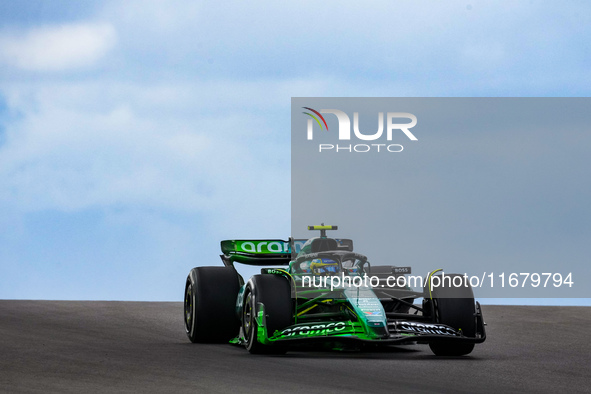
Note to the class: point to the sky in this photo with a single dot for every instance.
(136, 135)
(490, 187)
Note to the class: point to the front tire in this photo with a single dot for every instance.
(210, 304)
(454, 307)
(274, 292)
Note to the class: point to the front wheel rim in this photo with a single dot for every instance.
(248, 317)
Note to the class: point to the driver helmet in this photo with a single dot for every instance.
(324, 267)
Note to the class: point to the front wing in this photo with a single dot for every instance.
(399, 331)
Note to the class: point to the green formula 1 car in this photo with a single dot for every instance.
(320, 290)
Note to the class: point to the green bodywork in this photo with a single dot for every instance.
(347, 312)
(335, 314)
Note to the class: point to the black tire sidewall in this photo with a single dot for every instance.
(274, 292)
(189, 330)
(214, 294)
(454, 307)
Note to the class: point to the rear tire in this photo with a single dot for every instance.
(455, 307)
(210, 304)
(274, 292)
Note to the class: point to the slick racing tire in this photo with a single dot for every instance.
(274, 292)
(210, 304)
(455, 307)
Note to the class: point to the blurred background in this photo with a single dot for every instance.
(136, 135)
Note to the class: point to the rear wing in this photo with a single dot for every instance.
(264, 252)
(256, 252)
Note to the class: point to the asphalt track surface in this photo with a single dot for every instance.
(69, 346)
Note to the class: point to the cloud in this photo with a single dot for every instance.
(56, 48)
(88, 145)
(185, 130)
